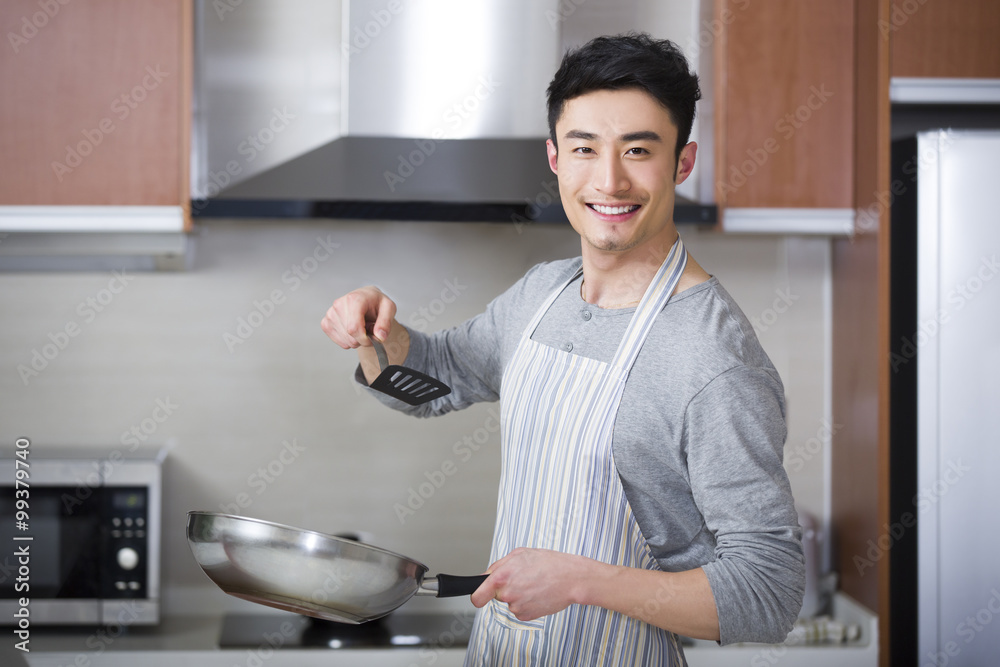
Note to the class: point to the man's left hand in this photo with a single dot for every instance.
(535, 582)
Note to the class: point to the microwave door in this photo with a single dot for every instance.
(66, 548)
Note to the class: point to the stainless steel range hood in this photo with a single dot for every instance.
(389, 109)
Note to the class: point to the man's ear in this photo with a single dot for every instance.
(685, 162)
(553, 152)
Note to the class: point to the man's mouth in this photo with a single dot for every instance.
(613, 210)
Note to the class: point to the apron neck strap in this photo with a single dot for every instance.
(653, 300)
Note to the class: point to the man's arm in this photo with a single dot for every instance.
(735, 434)
(538, 582)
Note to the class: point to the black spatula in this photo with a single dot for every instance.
(404, 383)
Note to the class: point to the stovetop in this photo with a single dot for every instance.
(433, 630)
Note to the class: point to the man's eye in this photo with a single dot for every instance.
(583, 149)
(637, 151)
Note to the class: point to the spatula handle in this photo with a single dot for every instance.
(383, 358)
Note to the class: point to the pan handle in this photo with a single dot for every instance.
(450, 585)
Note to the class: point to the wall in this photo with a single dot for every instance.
(236, 393)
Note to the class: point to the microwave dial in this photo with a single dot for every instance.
(128, 558)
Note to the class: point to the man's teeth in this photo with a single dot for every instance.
(613, 210)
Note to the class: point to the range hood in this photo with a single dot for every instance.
(389, 109)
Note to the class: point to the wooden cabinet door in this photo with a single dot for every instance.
(944, 38)
(95, 102)
(785, 103)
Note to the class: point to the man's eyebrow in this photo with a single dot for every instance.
(641, 135)
(644, 135)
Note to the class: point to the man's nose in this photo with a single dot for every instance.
(611, 176)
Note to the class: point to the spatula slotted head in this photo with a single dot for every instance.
(409, 386)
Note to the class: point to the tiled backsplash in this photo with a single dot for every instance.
(227, 364)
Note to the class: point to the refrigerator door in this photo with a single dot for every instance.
(958, 404)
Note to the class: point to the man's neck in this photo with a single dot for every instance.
(618, 280)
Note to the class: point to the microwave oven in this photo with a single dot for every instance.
(80, 529)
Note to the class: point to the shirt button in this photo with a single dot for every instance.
(586, 315)
(568, 347)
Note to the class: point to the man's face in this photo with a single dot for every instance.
(617, 171)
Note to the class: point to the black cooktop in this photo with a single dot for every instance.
(435, 630)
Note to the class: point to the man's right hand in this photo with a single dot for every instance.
(350, 319)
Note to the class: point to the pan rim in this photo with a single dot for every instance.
(305, 531)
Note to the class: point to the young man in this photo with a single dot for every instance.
(642, 493)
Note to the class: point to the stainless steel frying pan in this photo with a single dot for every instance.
(311, 573)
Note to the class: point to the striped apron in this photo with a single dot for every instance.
(560, 490)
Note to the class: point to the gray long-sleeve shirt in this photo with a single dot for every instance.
(698, 438)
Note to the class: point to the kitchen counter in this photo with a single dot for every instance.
(192, 640)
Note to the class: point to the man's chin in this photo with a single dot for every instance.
(611, 244)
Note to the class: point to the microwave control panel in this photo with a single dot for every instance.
(126, 544)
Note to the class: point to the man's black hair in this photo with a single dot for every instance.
(630, 60)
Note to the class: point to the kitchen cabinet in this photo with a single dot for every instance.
(953, 39)
(784, 96)
(944, 52)
(802, 146)
(96, 114)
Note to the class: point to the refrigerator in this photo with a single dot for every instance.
(944, 537)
